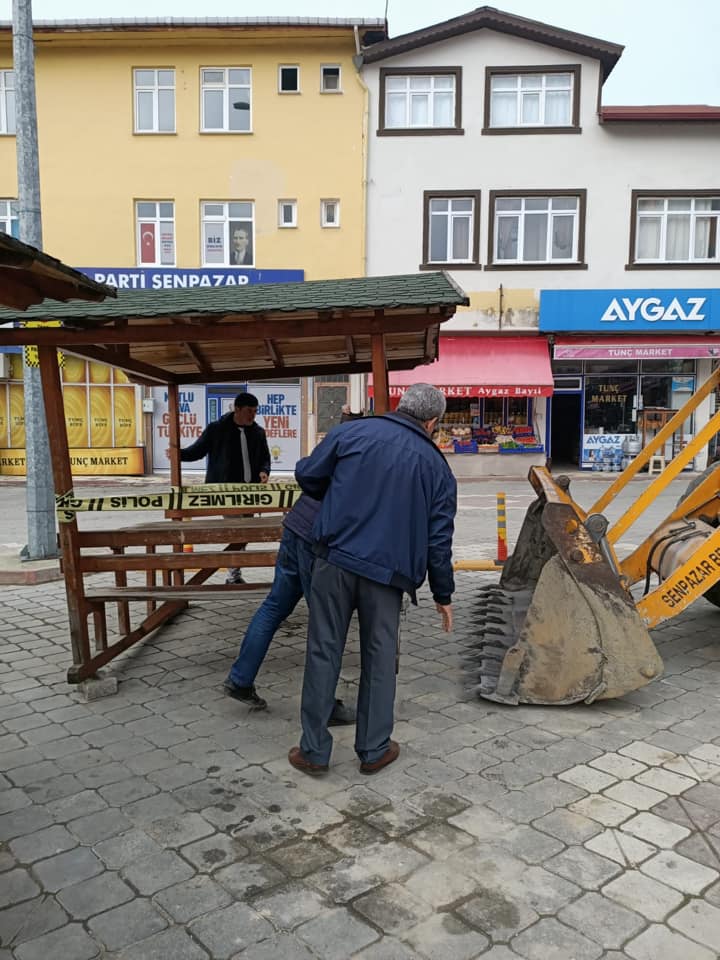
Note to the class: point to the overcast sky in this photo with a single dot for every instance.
(671, 47)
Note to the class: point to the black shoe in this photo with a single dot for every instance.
(245, 695)
(341, 716)
(235, 576)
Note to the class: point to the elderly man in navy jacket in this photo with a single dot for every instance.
(386, 520)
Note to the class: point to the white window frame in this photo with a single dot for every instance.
(288, 66)
(9, 216)
(7, 115)
(293, 206)
(154, 89)
(224, 221)
(662, 215)
(452, 215)
(225, 86)
(520, 93)
(159, 219)
(521, 214)
(330, 66)
(430, 93)
(324, 222)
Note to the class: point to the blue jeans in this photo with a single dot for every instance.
(293, 574)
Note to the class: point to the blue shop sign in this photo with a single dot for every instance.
(180, 278)
(630, 311)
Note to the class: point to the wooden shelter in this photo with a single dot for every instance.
(211, 335)
(28, 276)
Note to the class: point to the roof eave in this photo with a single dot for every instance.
(489, 18)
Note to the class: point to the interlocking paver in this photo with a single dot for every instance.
(68, 868)
(655, 830)
(602, 920)
(550, 940)
(42, 844)
(699, 921)
(677, 871)
(583, 867)
(173, 944)
(126, 924)
(31, 920)
(69, 941)
(657, 941)
(336, 934)
(157, 871)
(623, 848)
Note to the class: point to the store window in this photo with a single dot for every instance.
(476, 425)
(609, 404)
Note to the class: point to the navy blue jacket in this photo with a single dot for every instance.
(301, 518)
(388, 503)
(220, 442)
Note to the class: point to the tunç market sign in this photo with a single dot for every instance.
(477, 390)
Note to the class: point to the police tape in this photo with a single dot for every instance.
(219, 496)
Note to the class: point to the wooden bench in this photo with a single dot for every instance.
(165, 592)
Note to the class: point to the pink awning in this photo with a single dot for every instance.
(483, 367)
(636, 348)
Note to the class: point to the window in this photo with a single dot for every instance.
(154, 101)
(7, 102)
(421, 100)
(532, 100)
(9, 218)
(226, 99)
(287, 213)
(228, 233)
(673, 228)
(288, 79)
(330, 78)
(451, 235)
(330, 213)
(155, 233)
(537, 229)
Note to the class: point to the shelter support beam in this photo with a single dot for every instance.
(380, 374)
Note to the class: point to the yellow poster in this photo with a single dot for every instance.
(99, 372)
(100, 417)
(3, 414)
(124, 416)
(122, 462)
(73, 370)
(76, 415)
(17, 415)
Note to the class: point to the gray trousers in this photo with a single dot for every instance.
(334, 595)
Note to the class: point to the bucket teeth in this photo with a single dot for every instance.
(498, 614)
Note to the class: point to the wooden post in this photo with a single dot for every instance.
(380, 377)
(174, 427)
(78, 608)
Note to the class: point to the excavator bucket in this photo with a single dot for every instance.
(560, 627)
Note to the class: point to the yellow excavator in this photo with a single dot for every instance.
(563, 624)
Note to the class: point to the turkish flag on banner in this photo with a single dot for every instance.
(147, 243)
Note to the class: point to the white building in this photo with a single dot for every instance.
(593, 228)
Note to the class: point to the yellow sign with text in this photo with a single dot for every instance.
(85, 462)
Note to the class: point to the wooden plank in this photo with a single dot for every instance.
(175, 532)
(381, 402)
(220, 591)
(199, 560)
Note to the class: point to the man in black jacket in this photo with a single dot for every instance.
(236, 449)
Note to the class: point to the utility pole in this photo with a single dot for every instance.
(42, 541)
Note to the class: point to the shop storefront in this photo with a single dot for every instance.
(102, 416)
(616, 389)
(497, 390)
(279, 414)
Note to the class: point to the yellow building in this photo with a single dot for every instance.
(191, 152)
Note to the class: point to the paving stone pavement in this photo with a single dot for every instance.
(164, 823)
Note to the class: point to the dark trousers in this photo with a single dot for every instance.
(334, 595)
(293, 569)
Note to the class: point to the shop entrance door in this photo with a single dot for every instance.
(565, 430)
